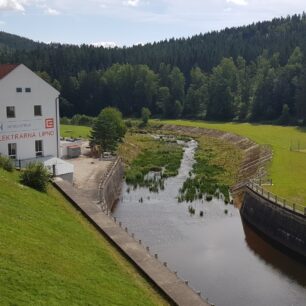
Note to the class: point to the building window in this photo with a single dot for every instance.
(10, 111)
(12, 150)
(18, 89)
(37, 110)
(28, 89)
(39, 148)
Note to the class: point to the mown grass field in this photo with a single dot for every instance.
(288, 168)
(75, 131)
(50, 255)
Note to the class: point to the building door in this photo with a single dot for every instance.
(12, 150)
(39, 148)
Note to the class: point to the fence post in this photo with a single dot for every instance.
(305, 211)
(293, 206)
(262, 191)
(284, 202)
(268, 195)
(276, 199)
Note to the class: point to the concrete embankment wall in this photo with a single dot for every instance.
(110, 186)
(284, 227)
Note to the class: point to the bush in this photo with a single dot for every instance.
(36, 176)
(208, 197)
(6, 163)
(65, 120)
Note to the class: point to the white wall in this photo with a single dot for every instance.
(26, 124)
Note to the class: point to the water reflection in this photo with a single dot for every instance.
(271, 255)
(221, 257)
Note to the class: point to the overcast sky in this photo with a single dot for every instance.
(128, 22)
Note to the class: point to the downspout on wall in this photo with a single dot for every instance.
(57, 126)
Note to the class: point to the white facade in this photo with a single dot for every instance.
(29, 115)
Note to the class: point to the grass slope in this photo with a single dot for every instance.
(288, 168)
(50, 255)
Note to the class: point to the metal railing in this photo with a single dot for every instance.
(103, 181)
(279, 201)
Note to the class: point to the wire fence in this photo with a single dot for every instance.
(298, 145)
(279, 201)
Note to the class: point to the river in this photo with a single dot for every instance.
(219, 255)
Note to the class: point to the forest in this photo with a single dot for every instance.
(253, 73)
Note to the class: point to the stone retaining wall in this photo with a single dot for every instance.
(283, 226)
(110, 186)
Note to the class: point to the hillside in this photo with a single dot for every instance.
(206, 50)
(15, 42)
(254, 73)
(50, 255)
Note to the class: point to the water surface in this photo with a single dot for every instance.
(218, 254)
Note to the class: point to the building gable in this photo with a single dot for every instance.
(6, 69)
(24, 74)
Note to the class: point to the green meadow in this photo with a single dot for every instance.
(288, 167)
(75, 131)
(51, 255)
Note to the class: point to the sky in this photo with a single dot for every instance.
(129, 22)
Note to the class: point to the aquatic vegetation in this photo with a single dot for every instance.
(191, 210)
(212, 172)
(208, 197)
(153, 165)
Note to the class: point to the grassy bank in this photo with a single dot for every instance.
(50, 255)
(288, 168)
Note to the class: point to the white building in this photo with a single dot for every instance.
(29, 116)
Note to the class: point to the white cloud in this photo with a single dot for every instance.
(105, 44)
(51, 12)
(133, 3)
(238, 2)
(12, 5)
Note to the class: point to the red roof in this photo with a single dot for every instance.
(6, 69)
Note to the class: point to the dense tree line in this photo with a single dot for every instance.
(264, 90)
(251, 73)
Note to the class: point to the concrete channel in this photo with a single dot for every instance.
(176, 290)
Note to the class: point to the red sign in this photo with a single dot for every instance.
(49, 123)
(26, 135)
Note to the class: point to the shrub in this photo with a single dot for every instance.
(36, 176)
(128, 123)
(208, 197)
(65, 120)
(191, 210)
(6, 163)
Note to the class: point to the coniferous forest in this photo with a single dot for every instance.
(253, 73)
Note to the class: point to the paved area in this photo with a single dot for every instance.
(172, 286)
(87, 175)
